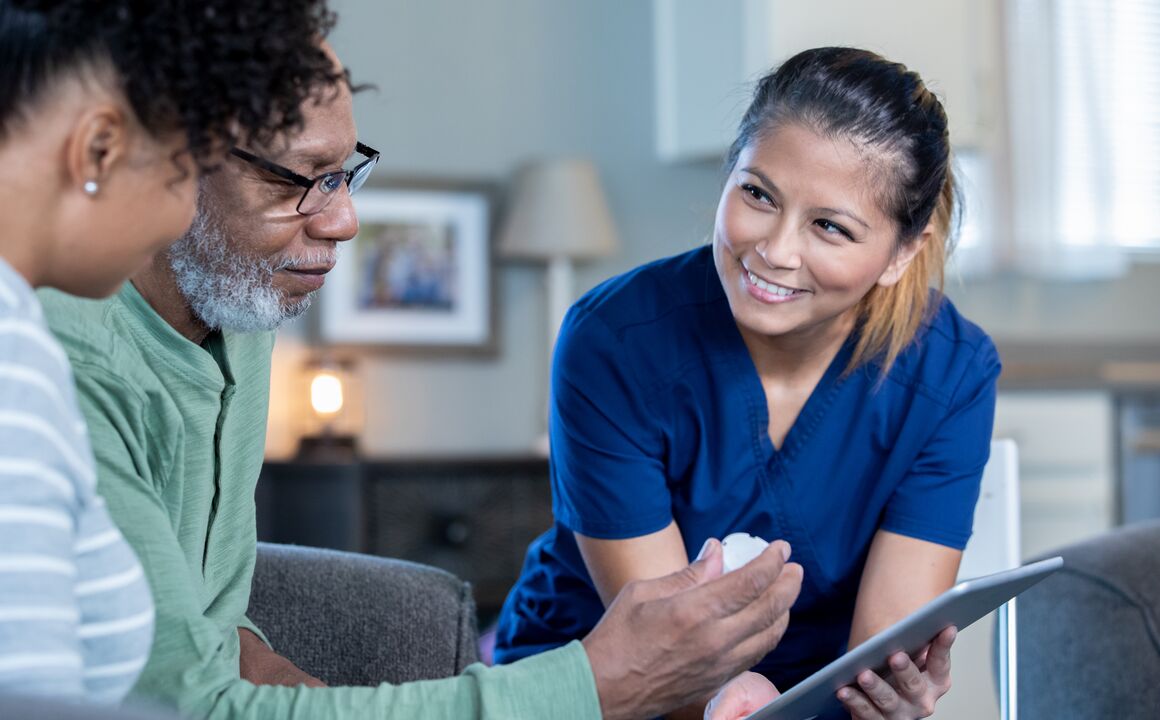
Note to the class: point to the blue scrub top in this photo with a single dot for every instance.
(658, 414)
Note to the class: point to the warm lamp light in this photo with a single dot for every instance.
(330, 412)
(326, 394)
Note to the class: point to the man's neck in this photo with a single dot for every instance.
(158, 286)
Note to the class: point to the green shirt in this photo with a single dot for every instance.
(178, 431)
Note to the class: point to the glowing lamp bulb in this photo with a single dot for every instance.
(326, 393)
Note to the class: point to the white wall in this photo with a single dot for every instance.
(467, 90)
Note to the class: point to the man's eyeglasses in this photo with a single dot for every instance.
(319, 190)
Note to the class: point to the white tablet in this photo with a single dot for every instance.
(960, 606)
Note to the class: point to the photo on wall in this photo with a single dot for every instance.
(407, 265)
(417, 275)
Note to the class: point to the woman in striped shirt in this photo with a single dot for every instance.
(109, 112)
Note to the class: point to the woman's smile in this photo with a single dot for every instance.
(766, 291)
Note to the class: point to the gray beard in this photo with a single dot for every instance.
(226, 289)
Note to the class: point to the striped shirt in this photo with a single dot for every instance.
(76, 615)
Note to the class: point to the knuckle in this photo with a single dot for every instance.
(687, 576)
(753, 584)
(789, 583)
(781, 624)
(887, 701)
(683, 615)
(631, 592)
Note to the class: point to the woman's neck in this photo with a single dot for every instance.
(23, 241)
(789, 357)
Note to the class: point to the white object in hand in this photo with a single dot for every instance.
(739, 548)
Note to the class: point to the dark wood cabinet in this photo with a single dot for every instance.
(474, 517)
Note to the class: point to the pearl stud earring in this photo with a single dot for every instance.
(91, 187)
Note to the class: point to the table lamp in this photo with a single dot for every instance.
(331, 413)
(558, 215)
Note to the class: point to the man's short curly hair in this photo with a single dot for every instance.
(222, 72)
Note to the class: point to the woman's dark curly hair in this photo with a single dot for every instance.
(222, 72)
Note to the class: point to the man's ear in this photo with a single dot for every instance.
(98, 142)
(902, 259)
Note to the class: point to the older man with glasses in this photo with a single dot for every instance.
(173, 374)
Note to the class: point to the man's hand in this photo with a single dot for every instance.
(667, 642)
(262, 666)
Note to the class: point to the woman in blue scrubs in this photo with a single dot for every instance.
(799, 378)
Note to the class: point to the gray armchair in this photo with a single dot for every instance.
(351, 619)
(1089, 636)
(347, 619)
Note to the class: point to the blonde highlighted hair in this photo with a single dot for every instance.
(890, 317)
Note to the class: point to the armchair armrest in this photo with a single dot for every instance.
(351, 619)
(1089, 635)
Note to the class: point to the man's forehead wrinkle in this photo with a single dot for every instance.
(325, 141)
(314, 155)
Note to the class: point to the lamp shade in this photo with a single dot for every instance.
(558, 210)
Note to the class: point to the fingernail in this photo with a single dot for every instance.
(704, 549)
(843, 694)
(785, 551)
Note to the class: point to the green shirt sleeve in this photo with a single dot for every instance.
(193, 666)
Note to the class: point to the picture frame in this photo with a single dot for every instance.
(418, 276)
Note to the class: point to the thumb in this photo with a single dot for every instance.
(740, 697)
(710, 564)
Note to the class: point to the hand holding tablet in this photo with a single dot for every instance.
(958, 607)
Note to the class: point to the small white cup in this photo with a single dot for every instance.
(739, 548)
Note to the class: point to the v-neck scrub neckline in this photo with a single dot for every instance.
(811, 412)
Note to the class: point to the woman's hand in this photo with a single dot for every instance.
(912, 689)
(740, 696)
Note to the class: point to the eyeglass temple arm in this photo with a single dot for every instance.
(268, 166)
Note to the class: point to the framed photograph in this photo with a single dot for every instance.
(417, 275)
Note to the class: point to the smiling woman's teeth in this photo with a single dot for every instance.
(770, 287)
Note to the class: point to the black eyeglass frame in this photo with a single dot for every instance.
(372, 158)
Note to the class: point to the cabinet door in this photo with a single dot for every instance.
(701, 76)
(950, 43)
(1066, 463)
(709, 53)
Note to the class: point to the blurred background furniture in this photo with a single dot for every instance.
(1089, 636)
(473, 516)
(994, 546)
(351, 619)
(318, 504)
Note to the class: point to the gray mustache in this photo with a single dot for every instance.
(322, 256)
